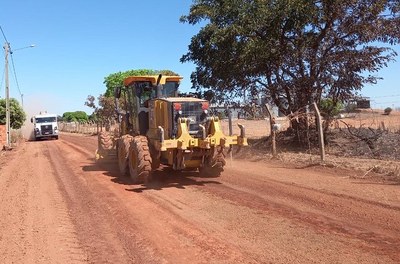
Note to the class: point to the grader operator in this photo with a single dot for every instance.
(158, 127)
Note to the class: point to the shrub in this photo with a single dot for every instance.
(387, 110)
(329, 108)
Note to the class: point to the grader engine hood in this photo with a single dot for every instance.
(195, 112)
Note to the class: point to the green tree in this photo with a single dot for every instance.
(17, 114)
(68, 117)
(105, 109)
(77, 116)
(116, 79)
(90, 102)
(329, 108)
(106, 102)
(293, 52)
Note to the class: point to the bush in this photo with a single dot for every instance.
(387, 110)
(329, 108)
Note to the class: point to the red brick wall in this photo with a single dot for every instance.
(2, 135)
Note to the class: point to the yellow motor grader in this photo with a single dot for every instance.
(158, 127)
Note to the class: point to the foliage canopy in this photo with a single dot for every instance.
(77, 116)
(329, 109)
(17, 114)
(116, 79)
(292, 52)
(105, 110)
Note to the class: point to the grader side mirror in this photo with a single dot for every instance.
(31, 119)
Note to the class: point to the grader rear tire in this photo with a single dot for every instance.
(140, 160)
(123, 153)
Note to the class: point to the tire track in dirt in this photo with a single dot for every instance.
(55, 222)
(34, 221)
(81, 150)
(13, 213)
(251, 217)
(98, 214)
(256, 235)
(336, 214)
(175, 238)
(67, 236)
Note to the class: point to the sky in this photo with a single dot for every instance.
(78, 43)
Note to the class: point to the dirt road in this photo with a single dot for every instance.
(57, 206)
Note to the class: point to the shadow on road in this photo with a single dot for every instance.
(161, 179)
(173, 179)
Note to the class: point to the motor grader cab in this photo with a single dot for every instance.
(157, 127)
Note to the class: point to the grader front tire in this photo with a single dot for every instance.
(105, 145)
(105, 141)
(140, 160)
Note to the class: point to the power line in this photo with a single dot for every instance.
(4, 71)
(12, 61)
(385, 96)
(15, 75)
(393, 102)
(4, 35)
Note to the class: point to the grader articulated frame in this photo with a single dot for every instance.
(156, 127)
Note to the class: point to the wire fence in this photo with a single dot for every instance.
(258, 126)
(90, 128)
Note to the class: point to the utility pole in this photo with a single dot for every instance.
(7, 51)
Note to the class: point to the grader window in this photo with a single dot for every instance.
(145, 91)
(170, 89)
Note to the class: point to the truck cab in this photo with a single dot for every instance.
(45, 126)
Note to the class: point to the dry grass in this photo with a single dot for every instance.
(364, 166)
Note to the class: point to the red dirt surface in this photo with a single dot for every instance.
(58, 206)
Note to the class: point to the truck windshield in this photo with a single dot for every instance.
(46, 119)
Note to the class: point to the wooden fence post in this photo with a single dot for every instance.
(273, 132)
(320, 132)
(230, 128)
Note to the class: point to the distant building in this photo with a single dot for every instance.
(361, 102)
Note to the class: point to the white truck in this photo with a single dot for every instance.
(45, 126)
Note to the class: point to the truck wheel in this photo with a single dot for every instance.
(123, 153)
(214, 165)
(140, 160)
